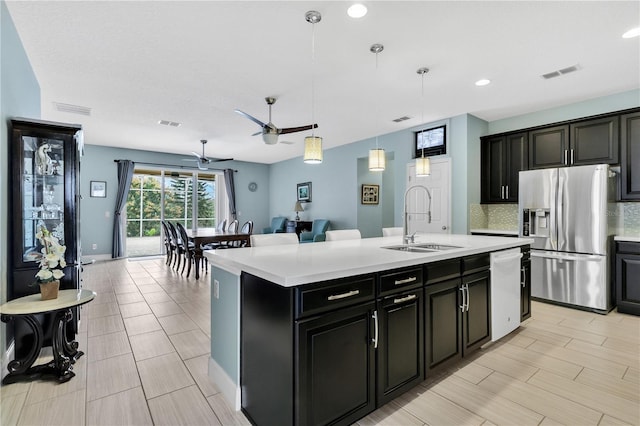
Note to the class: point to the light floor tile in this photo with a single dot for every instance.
(104, 325)
(132, 297)
(10, 408)
(108, 345)
(183, 407)
(390, 414)
(123, 408)
(473, 372)
(164, 309)
(152, 287)
(191, 343)
(174, 324)
(434, 409)
(225, 414)
(540, 360)
(610, 384)
(164, 374)
(42, 390)
(63, 410)
(199, 369)
(157, 297)
(141, 324)
(110, 376)
(102, 310)
(135, 309)
(149, 345)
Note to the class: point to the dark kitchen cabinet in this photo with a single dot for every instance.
(476, 316)
(594, 141)
(44, 180)
(502, 158)
(630, 155)
(548, 147)
(525, 283)
(400, 345)
(627, 273)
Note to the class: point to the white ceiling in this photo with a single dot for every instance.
(137, 62)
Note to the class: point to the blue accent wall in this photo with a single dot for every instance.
(19, 97)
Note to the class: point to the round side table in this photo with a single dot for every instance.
(65, 352)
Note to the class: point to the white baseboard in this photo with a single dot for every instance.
(227, 386)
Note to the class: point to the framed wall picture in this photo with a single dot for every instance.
(98, 189)
(304, 192)
(370, 194)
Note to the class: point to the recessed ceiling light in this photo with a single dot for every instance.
(357, 10)
(483, 82)
(634, 32)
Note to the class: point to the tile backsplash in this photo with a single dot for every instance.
(623, 217)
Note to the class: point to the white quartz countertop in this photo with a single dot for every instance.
(630, 236)
(494, 231)
(298, 264)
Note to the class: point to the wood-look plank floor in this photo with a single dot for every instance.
(147, 333)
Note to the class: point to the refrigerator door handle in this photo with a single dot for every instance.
(571, 155)
(565, 158)
(554, 212)
(507, 197)
(561, 256)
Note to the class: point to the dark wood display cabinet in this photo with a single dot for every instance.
(630, 150)
(457, 310)
(44, 193)
(502, 158)
(627, 273)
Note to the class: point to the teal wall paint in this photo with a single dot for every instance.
(601, 105)
(19, 97)
(97, 213)
(225, 323)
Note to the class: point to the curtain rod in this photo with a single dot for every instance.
(171, 165)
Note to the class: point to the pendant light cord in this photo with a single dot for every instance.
(313, 67)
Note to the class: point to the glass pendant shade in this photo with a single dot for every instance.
(377, 160)
(313, 150)
(423, 166)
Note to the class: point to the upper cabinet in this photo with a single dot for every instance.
(630, 164)
(595, 141)
(503, 157)
(549, 147)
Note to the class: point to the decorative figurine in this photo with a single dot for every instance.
(44, 163)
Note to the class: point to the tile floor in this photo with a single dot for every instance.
(146, 338)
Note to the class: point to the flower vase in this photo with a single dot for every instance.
(49, 290)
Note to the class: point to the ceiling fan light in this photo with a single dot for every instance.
(270, 138)
(423, 166)
(313, 150)
(377, 160)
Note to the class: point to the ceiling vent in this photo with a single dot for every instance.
(73, 109)
(563, 71)
(169, 123)
(398, 120)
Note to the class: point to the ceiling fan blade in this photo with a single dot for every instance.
(257, 133)
(287, 142)
(250, 117)
(297, 129)
(222, 159)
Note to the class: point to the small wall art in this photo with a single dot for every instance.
(370, 194)
(98, 189)
(304, 192)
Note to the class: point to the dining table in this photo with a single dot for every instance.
(203, 236)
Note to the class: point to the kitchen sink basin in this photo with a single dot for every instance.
(421, 247)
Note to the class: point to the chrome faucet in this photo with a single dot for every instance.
(406, 237)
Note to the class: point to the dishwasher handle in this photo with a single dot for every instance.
(506, 258)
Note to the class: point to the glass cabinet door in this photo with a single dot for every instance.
(43, 190)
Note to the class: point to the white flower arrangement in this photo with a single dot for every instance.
(52, 260)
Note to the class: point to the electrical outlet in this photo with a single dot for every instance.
(216, 289)
(94, 246)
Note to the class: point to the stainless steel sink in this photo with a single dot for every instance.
(422, 247)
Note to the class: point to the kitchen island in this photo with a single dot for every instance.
(326, 332)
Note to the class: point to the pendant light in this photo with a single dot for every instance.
(423, 165)
(313, 143)
(377, 159)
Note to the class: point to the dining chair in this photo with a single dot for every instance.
(260, 240)
(179, 251)
(247, 228)
(168, 242)
(390, 232)
(343, 234)
(189, 248)
(222, 225)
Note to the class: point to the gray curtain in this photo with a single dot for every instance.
(125, 174)
(231, 191)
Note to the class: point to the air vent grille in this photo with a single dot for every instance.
(73, 109)
(169, 123)
(563, 71)
(400, 119)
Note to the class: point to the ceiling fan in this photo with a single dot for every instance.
(203, 160)
(269, 131)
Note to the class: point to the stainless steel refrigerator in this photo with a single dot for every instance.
(564, 210)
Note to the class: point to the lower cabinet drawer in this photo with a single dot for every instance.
(330, 295)
(399, 280)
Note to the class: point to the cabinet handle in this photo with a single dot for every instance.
(404, 299)
(571, 155)
(507, 197)
(565, 157)
(466, 287)
(523, 281)
(374, 317)
(405, 281)
(463, 302)
(343, 295)
(502, 192)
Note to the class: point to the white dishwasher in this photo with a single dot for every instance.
(505, 292)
